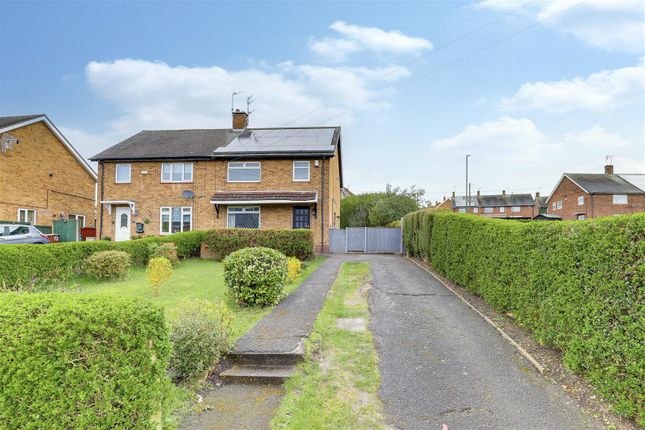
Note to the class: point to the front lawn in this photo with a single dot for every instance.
(194, 278)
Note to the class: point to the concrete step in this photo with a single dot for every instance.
(254, 374)
(267, 358)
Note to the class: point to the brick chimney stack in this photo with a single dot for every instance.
(537, 194)
(240, 120)
(453, 195)
(503, 192)
(478, 193)
(609, 169)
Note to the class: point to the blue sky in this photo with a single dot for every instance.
(530, 89)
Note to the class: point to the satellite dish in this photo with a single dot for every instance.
(187, 194)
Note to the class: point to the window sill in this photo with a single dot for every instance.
(176, 182)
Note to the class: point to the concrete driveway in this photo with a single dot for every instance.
(442, 366)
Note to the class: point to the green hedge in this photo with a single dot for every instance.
(578, 286)
(76, 361)
(292, 243)
(25, 265)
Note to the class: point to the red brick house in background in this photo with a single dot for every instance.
(592, 195)
(510, 206)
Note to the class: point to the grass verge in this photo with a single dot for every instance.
(193, 278)
(336, 387)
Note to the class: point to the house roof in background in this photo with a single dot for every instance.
(542, 201)
(460, 201)
(505, 200)
(601, 183)
(225, 143)
(6, 121)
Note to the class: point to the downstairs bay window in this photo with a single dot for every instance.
(176, 219)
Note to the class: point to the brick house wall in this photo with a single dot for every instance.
(525, 212)
(40, 173)
(209, 176)
(593, 206)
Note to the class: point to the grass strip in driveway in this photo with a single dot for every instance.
(336, 387)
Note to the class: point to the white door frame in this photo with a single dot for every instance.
(121, 234)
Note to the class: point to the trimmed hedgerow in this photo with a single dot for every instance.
(77, 361)
(26, 265)
(292, 243)
(578, 286)
(256, 276)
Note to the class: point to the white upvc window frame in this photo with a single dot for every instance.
(183, 172)
(462, 210)
(489, 210)
(502, 209)
(244, 166)
(581, 200)
(301, 167)
(621, 201)
(78, 217)
(559, 204)
(259, 212)
(182, 210)
(553, 206)
(475, 210)
(116, 173)
(516, 209)
(26, 211)
(581, 217)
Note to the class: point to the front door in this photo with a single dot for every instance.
(301, 217)
(122, 223)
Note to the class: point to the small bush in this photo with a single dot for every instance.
(293, 267)
(293, 243)
(74, 361)
(158, 271)
(256, 276)
(108, 265)
(168, 250)
(200, 335)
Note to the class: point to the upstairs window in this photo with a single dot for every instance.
(515, 208)
(581, 200)
(244, 172)
(301, 171)
(122, 174)
(177, 172)
(620, 199)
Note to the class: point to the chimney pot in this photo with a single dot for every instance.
(453, 194)
(537, 194)
(240, 120)
(478, 193)
(609, 169)
(503, 192)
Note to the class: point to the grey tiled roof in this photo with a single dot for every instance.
(505, 200)
(242, 196)
(225, 143)
(600, 183)
(542, 200)
(6, 121)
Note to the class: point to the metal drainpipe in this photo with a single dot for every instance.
(101, 199)
(322, 206)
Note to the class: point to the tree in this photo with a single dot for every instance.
(381, 208)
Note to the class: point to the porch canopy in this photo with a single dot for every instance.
(264, 197)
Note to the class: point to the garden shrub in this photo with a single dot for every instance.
(256, 276)
(26, 265)
(200, 335)
(158, 271)
(72, 361)
(293, 243)
(578, 286)
(293, 269)
(106, 265)
(167, 249)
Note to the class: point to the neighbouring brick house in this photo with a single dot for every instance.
(42, 177)
(166, 181)
(592, 195)
(511, 206)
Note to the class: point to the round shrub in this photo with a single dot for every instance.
(256, 276)
(167, 249)
(108, 265)
(294, 267)
(200, 335)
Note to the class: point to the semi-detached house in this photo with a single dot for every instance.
(167, 181)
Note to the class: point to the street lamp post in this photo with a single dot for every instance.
(467, 197)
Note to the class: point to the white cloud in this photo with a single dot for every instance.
(606, 24)
(604, 90)
(597, 136)
(156, 95)
(503, 139)
(356, 38)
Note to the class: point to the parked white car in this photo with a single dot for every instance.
(17, 233)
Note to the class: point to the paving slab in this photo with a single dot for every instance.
(282, 330)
